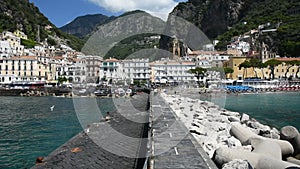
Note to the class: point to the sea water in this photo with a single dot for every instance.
(29, 129)
(276, 109)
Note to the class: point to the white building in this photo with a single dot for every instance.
(135, 70)
(5, 48)
(215, 58)
(242, 46)
(171, 71)
(110, 70)
(80, 70)
(14, 41)
(204, 63)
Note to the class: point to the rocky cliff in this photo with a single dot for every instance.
(224, 19)
(213, 17)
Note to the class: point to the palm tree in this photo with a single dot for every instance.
(272, 64)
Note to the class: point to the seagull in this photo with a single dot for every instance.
(52, 107)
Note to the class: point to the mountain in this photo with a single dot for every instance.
(224, 19)
(25, 16)
(83, 26)
(125, 35)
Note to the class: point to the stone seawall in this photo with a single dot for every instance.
(107, 143)
(232, 139)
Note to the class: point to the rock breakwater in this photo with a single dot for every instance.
(229, 137)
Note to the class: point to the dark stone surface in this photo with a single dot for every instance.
(173, 146)
(83, 150)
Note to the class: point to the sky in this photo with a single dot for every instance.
(61, 12)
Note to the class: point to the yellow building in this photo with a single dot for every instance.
(286, 70)
(22, 68)
(281, 71)
(14, 41)
(20, 34)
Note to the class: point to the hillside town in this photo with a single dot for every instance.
(43, 64)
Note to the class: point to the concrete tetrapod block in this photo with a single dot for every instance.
(293, 160)
(245, 135)
(268, 148)
(257, 160)
(242, 133)
(286, 147)
(291, 134)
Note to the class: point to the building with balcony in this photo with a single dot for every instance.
(22, 68)
(135, 70)
(164, 71)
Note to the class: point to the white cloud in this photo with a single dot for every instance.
(159, 8)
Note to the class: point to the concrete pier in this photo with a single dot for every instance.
(172, 146)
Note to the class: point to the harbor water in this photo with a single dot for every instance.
(29, 129)
(276, 109)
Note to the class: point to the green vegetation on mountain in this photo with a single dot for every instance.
(128, 46)
(225, 19)
(23, 15)
(83, 26)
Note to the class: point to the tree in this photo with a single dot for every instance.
(298, 69)
(272, 64)
(228, 70)
(62, 79)
(198, 72)
(255, 63)
(261, 66)
(289, 64)
(246, 64)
